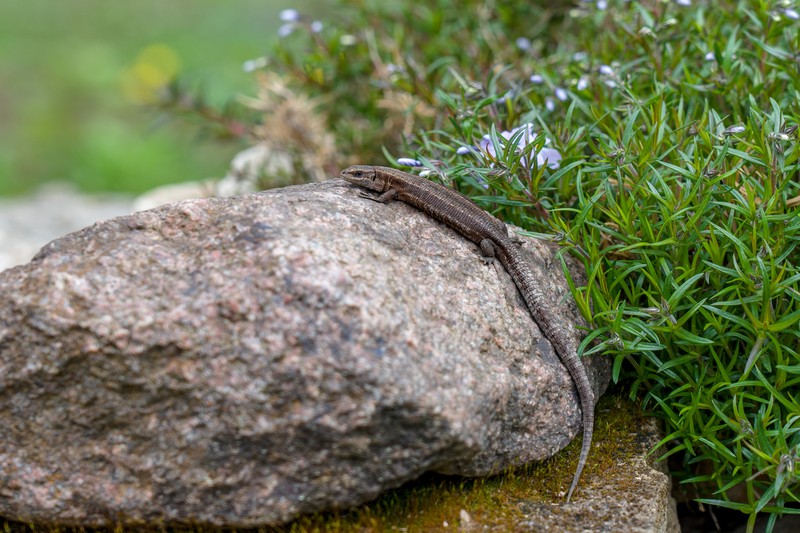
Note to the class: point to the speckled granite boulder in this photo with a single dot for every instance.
(241, 361)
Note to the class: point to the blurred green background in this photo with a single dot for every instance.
(74, 77)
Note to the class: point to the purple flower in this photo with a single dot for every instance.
(548, 156)
(316, 26)
(463, 150)
(561, 94)
(537, 79)
(733, 130)
(285, 30)
(289, 15)
(408, 162)
(545, 156)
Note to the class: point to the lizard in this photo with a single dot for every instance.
(491, 235)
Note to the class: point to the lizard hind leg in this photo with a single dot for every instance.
(487, 251)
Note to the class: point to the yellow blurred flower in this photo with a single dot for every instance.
(155, 67)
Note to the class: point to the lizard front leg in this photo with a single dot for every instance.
(382, 198)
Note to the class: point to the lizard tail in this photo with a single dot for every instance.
(587, 408)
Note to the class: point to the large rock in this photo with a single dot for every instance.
(240, 361)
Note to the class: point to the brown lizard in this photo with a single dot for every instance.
(491, 235)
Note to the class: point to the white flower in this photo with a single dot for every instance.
(254, 64)
(289, 15)
(601, 4)
(546, 156)
(710, 56)
(583, 83)
(605, 70)
(684, 3)
(791, 14)
(408, 162)
(316, 26)
(579, 56)
(549, 104)
(463, 150)
(561, 94)
(537, 79)
(646, 31)
(348, 40)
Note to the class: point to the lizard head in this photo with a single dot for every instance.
(364, 176)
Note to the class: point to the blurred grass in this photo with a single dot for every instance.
(64, 112)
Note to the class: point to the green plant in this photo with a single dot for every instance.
(659, 144)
